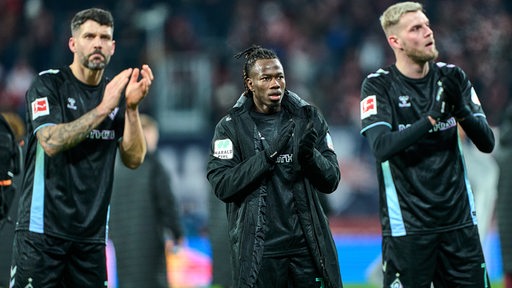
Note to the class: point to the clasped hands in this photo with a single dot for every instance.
(306, 144)
(449, 101)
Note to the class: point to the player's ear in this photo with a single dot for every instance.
(394, 42)
(249, 83)
(72, 44)
(113, 47)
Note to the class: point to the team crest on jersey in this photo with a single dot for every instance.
(223, 149)
(396, 283)
(404, 101)
(40, 107)
(368, 106)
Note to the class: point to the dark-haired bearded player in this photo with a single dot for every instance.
(76, 119)
(409, 112)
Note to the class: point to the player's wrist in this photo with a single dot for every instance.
(461, 112)
(432, 120)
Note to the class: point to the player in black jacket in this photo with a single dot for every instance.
(409, 113)
(76, 119)
(270, 158)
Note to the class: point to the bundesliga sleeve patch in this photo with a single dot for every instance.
(40, 107)
(368, 106)
(223, 149)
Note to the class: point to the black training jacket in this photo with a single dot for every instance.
(238, 173)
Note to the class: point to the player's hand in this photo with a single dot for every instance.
(137, 88)
(453, 91)
(439, 109)
(307, 143)
(284, 135)
(114, 89)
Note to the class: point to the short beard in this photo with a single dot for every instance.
(94, 65)
(421, 58)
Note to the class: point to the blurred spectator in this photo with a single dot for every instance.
(483, 173)
(17, 82)
(7, 225)
(219, 239)
(504, 201)
(144, 218)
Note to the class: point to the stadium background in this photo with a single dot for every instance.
(326, 46)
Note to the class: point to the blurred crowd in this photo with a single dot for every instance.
(327, 46)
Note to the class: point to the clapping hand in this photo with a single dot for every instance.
(137, 88)
(439, 108)
(282, 138)
(307, 144)
(454, 97)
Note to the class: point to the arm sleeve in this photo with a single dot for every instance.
(230, 175)
(385, 143)
(478, 130)
(43, 103)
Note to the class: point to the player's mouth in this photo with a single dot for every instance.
(275, 96)
(97, 56)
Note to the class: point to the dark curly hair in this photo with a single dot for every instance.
(251, 55)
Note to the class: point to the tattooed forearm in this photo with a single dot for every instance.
(61, 137)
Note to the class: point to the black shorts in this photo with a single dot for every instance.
(447, 259)
(45, 261)
(289, 271)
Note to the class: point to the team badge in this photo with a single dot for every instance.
(40, 107)
(396, 283)
(368, 106)
(223, 149)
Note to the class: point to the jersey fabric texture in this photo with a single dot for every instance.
(424, 187)
(287, 238)
(68, 195)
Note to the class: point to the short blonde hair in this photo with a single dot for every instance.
(393, 13)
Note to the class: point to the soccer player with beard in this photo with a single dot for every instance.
(76, 119)
(410, 112)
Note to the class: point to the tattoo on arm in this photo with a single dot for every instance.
(61, 137)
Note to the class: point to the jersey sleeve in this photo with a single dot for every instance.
(42, 100)
(375, 107)
(228, 172)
